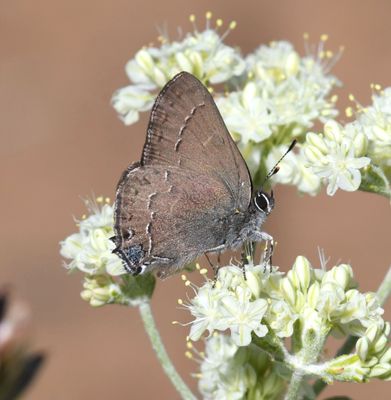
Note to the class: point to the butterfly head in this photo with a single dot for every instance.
(264, 202)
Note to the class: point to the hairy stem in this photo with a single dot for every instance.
(158, 346)
(294, 386)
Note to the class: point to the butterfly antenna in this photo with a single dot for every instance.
(276, 168)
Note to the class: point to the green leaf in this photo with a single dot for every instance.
(139, 286)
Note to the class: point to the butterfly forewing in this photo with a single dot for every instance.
(187, 130)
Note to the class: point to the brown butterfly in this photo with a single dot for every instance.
(191, 193)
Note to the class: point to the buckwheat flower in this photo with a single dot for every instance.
(131, 100)
(281, 318)
(247, 114)
(375, 121)
(228, 303)
(244, 316)
(207, 309)
(297, 88)
(336, 157)
(90, 249)
(275, 63)
(293, 170)
(100, 290)
(201, 53)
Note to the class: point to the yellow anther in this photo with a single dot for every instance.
(250, 75)
(183, 277)
(349, 112)
(180, 301)
(232, 25)
(219, 22)
(334, 98)
(175, 322)
(306, 36)
(187, 283)
(202, 354)
(322, 54)
(203, 271)
(192, 18)
(189, 345)
(107, 200)
(99, 199)
(83, 216)
(329, 54)
(208, 14)
(324, 37)
(198, 267)
(377, 86)
(188, 354)
(351, 97)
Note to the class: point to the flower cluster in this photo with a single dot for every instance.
(307, 304)
(203, 54)
(356, 155)
(231, 372)
(90, 251)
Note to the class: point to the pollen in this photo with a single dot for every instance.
(184, 277)
(324, 37)
(219, 22)
(180, 301)
(189, 345)
(232, 25)
(192, 18)
(189, 355)
(99, 199)
(351, 97)
(208, 15)
(349, 112)
(203, 271)
(107, 200)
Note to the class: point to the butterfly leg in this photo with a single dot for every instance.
(259, 236)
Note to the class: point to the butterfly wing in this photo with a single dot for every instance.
(166, 217)
(176, 203)
(187, 130)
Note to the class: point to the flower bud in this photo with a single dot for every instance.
(302, 270)
(288, 291)
(317, 141)
(313, 153)
(362, 347)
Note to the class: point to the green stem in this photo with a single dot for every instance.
(383, 293)
(294, 386)
(158, 346)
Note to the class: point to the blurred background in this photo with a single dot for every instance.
(60, 140)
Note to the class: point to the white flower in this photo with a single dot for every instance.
(281, 318)
(228, 304)
(202, 54)
(375, 122)
(296, 89)
(224, 373)
(206, 308)
(293, 170)
(244, 316)
(334, 157)
(247, 114)
(130, 101)
(90, 250)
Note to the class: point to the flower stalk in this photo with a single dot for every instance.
(161, 353)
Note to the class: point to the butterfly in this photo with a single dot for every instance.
(191, 193)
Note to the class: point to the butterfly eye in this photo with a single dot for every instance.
(262, 202)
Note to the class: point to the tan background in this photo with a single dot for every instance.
(60, 62)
